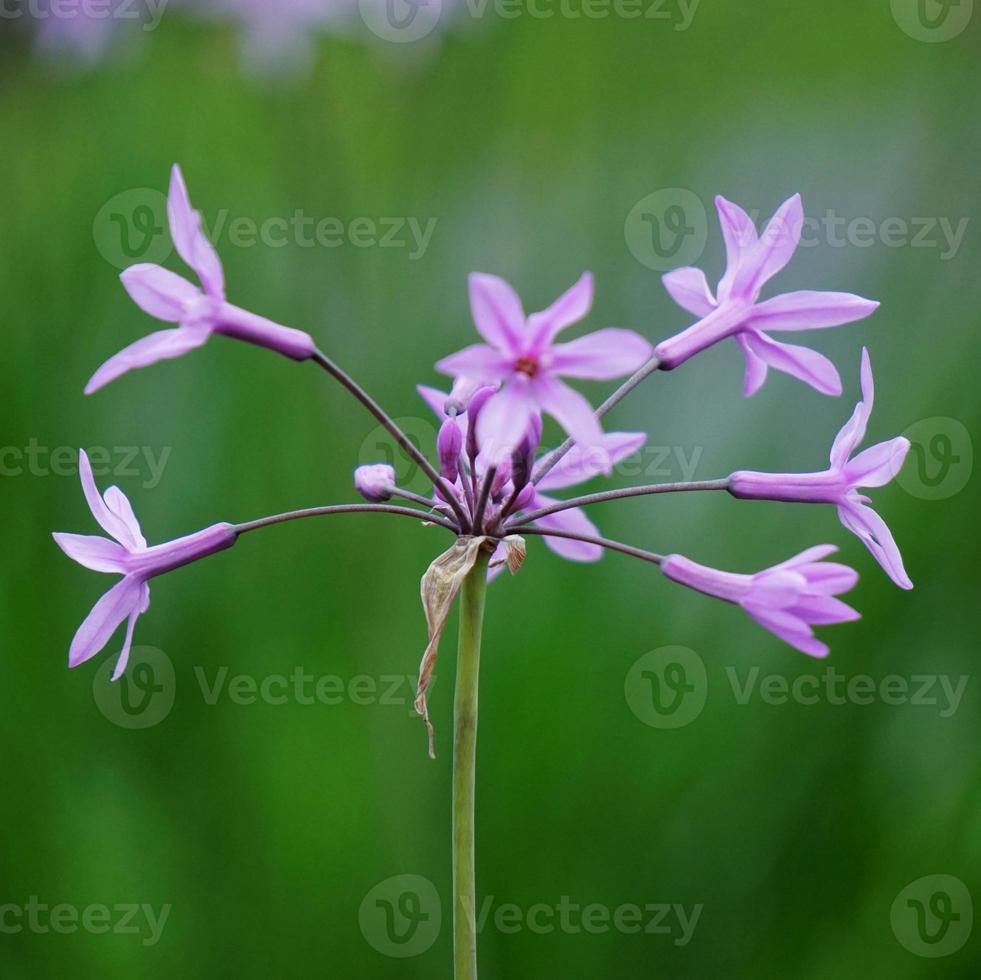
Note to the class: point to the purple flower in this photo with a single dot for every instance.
(874, 467)
(751, 261)
(128, 555)
(375, 482)
(521, 355)
(198, 312)
(577, 466)
(787, 599)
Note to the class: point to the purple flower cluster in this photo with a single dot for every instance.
(492, 482)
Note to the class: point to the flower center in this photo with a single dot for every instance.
(527, 366)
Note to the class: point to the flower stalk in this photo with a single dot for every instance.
(472, 600)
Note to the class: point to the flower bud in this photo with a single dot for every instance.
(524, 498)
(449, 444)
(523, 458)
(375, 482)
(502, 476)
(459, 397)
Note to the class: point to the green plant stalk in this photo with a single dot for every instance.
(472, 597)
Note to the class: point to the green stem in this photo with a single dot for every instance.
(472, 597)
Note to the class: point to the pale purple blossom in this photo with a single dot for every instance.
(126, 554)
(521, 355)
(735, 311)
(787, 599)
(839, 485)
(198, 312)
(375, 481)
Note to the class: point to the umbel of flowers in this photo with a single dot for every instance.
(492, 481)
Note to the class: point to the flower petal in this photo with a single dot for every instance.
(160, 346)
(877, 465)
(601, 356)
(93, 552)
(789, 628)
(739, 234)
(434, 398)
(689, 288)
(503, 421)
(119, 504)
(810, 310)
(872, 530)
(575, 521)
(774, 250)
(776, 588)
(497, 312)
(107, 520)
(479, 361)
(808, 365)
(569, 308)
(756, 369)
(823, 610)
(144, 602)
(572, 411)
(158, 291)
(853, 431)
(97, 629)
(579, 465)
(808, 556)
(829, 578)
(190, 241)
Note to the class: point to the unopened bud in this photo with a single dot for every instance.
(449, 443)
(375, 482)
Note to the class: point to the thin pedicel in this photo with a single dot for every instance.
(491, 485)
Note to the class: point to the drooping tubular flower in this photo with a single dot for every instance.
(839, 485)
(787, 599)
(735, 311)
(198, 312)
(128, 555)
(521, 355)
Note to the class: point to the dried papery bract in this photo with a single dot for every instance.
(439, 587)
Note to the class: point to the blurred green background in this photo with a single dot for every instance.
(795, 826)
